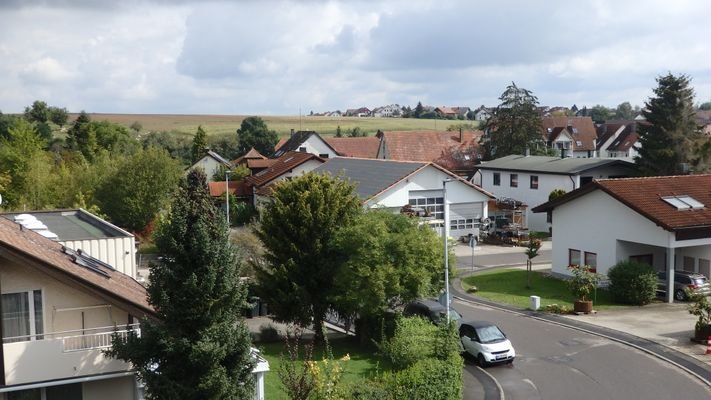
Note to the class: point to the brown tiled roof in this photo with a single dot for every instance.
(624, 141)
(252, 154)
(48, 255)
(237, 188)
(441, 147)
(259, 163)
(644, 195)
(281, 166)
(584, 130)
(361, 147)
(281, 143)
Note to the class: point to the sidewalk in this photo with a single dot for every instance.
(463, 250)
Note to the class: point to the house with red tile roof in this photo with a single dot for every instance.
(662, 221)
(327, 147)
(253, 160)
(454, 151)
(618, 139)
(571, 136)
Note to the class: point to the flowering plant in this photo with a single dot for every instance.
(583, 281)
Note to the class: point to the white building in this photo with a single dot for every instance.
(212, 163)
(531, 179)
(396, 184)
(305, 142)
(662, 221)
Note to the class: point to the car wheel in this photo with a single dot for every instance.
(481, 361)
(680, 295)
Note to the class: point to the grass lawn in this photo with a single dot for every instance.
(217, 124)
(508, 286)
(362, 364)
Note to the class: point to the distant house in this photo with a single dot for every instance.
(461, 111)
(81, 230)
(414, 187)
(211, 163)
(305, 142)
(570, 136)
(287, 166)
(253, 160)
(618, 139)
(446, 112)
(530, 179)
(389, 111)
(358, 112)
(661, 221)
(482, 113)
(455, 151)
(703, 120)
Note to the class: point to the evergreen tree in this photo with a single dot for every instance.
(419, 109)
(79, 136)
(666, 143)
(298, 229)
(199, 347)
(339, 133)
(199, 145)
(515, 125)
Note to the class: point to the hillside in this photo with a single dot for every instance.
(220, 124)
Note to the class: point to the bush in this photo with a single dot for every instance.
(632, 283)
(414, 340)
(427, 379)
(242, 213)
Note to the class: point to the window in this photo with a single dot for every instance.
(324, 155)
(497, 179)
(461, 224)
(22, 316)
(534, 181)
(72, 391)
(573, 257)
(514, 180)
(591, 260)
(302, 149)
(432, 205)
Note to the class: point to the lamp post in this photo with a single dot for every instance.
(227, 196)
(445, 233)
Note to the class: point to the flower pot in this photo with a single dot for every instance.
(703, 334)
(583, 306)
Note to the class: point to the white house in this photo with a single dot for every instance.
(530, 179)
(571, 136)
(211, 163)
(289, 165)
(305, 142)
(482, 113)
(396, 184)
(392, 110)
(618, 140)
(662, 221)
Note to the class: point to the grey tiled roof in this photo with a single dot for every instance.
(551, 165)
(370, 176)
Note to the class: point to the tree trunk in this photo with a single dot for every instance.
(318, 329)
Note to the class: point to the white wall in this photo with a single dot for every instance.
(123, 388)
(209, 165)
(118, 252)
(594, 223)
(317, 146)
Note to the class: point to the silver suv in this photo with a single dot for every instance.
(696, 283)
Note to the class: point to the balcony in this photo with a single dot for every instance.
(62, 355)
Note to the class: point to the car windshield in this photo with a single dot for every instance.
(453, 315)
(490, 334)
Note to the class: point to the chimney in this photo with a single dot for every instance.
(461, 137)
(292, 132)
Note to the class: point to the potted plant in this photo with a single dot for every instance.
(701, 307)
(581, 284)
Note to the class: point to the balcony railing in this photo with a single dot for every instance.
(81, 339)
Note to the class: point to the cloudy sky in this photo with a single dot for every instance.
(277, 57)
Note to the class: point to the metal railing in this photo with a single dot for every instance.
(81, 339)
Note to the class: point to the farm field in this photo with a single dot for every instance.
(221, 124)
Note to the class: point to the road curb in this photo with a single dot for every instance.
(657, 350)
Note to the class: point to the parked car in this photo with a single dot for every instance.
(696, 283)
(432, 310)
(486, 342)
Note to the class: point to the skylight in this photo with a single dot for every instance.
(683, 202)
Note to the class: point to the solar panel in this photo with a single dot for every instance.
(676, 203)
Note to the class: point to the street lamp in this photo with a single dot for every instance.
(227, 196)
(445, 232)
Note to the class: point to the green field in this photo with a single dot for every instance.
(219, 124)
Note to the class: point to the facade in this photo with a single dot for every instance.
(389, 111)
(662, 221)
(289, 165)
(79, 229)
(418, 186)
(305, 142)
(211, 163)
(60, 308)
(530, 179)
(618, 139)
(571, 136)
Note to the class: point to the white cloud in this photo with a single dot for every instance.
(277, 56)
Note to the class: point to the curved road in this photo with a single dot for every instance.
(555, 362)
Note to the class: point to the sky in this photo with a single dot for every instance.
(285, 57)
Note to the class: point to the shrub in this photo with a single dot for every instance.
(556, 309)
(583, 281)
(700, 307)
(414, 340)
(427, 379)
(632, 283)
(242, 213)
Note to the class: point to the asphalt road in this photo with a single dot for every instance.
(516, 257)
(555, 362)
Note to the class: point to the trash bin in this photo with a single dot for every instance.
(535, 303)
(263, 311)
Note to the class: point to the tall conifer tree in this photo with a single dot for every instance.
(199, 348)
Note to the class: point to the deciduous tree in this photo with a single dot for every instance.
(514, 126)
(298, 228)
(666, 143)
(199, 347)
(254, 133)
